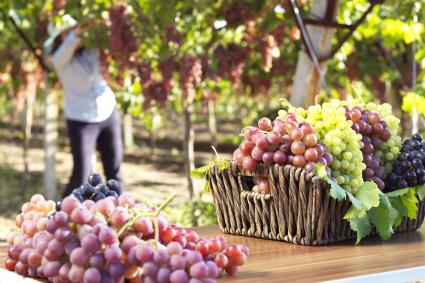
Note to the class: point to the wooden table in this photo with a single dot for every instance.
(272, 261)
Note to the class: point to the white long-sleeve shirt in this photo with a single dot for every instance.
(88, 98)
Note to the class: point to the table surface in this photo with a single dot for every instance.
(273, 261)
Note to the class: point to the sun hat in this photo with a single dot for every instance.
(55, 28)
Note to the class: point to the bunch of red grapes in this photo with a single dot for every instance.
(145, 73)
(122, 39)
(267, 43)
(112, 240)
(231, 60)
(283, 141)
(374, 132)
(166, 68)
(190, 75)
(237, 13)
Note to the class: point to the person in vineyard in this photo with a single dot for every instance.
(92, 120)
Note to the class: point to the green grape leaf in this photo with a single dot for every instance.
(383, 217)
(368, 194)
(421, 191)
(320, 170)
(397, 193)
(409, 200)
(199, 173)
(352, 213)
(362, 226)
(401, 209)
(336, 191)
(357, 204)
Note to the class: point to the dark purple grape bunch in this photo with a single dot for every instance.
(409, 168)
(94, 189)
(374, 132)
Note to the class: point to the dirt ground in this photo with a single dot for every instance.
(150, 178)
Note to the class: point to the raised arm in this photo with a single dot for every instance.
(66, 50)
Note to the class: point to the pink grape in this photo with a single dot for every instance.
(320, 149)
(246, 147)
(268, 157)
(286, 139)
(262, 143)
(311, 155)
(329, 158)
(51, 269)
(279, 157)
(238, 156)
(163, 275)
(79, 256)
(91, 243)
(310, 166)
(81, 215)
(108, 236)
(92, 275)
(264, 186)
(285, 148)
(199, 270)
(76, 273)
(119, 216)
(265, 124)
(307, 128)
(144, 225)
(297, 134)
(298, 147)
(257, 154)
(69, 204)
(113, 254)
(290, 126)
(274, 138)
(116, 269)
(179, 276)
(177, 262)
(299, 160)
(174, 248)
(249, 132)
(310, 140)
(97, 260)
(144, 253)
(385, 135)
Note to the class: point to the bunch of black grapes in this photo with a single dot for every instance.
(409, 168)
(94, 189)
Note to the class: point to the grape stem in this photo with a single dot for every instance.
(154, 214)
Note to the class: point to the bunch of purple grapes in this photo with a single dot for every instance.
(112, 240)
(374, 132)
(283, 141)
(123, 41)
(409, 168)
(190, 75)
(267, 43)
(231, 60)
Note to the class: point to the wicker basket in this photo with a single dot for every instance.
(298, 210)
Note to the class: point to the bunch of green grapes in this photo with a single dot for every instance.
(334, 131)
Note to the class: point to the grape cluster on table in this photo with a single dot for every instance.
(374, 132)
(409, 168)
(111, 240)
(283, 141)
(94, 189)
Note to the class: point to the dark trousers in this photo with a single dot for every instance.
(84, 139)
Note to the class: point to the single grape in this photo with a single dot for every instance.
(298, 147)
(265, 124)
(249, 163)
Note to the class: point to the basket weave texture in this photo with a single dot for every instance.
(298, 210)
